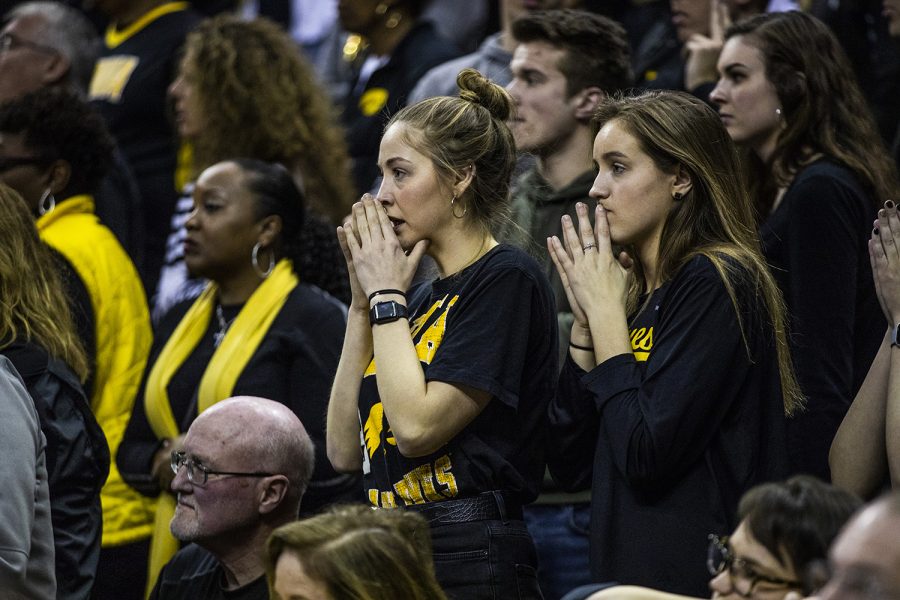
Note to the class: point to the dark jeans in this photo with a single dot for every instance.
(561, 534)
(489, 560)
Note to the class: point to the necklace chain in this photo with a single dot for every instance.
(223, 326)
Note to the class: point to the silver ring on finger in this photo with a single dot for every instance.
(587, 247)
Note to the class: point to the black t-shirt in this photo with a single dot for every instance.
(194, 574)
(491, 327)
(367, 111)
(671, 435)
(129, 89)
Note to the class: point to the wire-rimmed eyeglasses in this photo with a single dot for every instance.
(198, 474)
(743, 575)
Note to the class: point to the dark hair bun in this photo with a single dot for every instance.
(478, 89)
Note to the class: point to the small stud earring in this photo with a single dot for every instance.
(677, 196)
(778, 112)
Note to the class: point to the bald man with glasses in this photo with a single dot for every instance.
(242, 471)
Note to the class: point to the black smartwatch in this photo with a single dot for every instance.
(387, 312)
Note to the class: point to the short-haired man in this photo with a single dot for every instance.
(564, 64)
(865, 557)
(242, 471)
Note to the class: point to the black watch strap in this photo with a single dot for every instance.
(387, 312)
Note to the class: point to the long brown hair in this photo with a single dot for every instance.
(715, 218)
(361, 553)
(824, 110)
(33, 307)
(259, 98)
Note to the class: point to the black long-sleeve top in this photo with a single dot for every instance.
(670, 436)
(816, 242)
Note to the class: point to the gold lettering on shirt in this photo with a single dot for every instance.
(111, 75)
(641, 343)
(426, 483)
(373, 428)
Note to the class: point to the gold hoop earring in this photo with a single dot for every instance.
(453, 208)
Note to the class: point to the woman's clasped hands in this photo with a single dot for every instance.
(595, 279)
(375, 258)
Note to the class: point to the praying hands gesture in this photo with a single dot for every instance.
(375, 259)
(596, 284)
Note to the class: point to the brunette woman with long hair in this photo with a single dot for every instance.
(672, 401)
(818, 170)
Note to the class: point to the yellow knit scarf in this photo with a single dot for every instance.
(227, 363)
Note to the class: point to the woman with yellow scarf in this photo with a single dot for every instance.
(255, 330)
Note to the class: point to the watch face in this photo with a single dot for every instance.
(387, 312)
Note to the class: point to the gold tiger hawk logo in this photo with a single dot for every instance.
(373, 428)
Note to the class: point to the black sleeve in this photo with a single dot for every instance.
(135, 455)
(318, 343)
(574, 426)
(82, 313)
(118, 206)
(823, 264)
(659, 420)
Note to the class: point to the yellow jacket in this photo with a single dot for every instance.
(123, 338)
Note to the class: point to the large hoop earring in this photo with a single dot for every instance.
(47, 203)
(453, 207)
(254, 260)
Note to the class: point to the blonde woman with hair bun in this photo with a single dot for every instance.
(448, 382)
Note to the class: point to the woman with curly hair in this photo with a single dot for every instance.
(244, 90)
(55, 150)
(787, 94)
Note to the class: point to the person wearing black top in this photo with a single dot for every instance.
(818, 170)
(672, 401)
(448, 382)
(256, 330)
(399, 50)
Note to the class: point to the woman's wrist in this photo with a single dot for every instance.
(387, 296)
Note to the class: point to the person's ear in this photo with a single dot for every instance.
(586, 102)
(57, 69)
(464, 181)
(272, 493)
(682, 184)
(270, 229)
(59, 173)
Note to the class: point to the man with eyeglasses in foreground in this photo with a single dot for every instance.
(244, 466)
